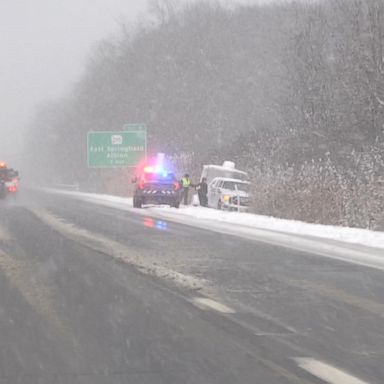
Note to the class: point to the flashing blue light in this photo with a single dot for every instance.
(161, 225)
(159, 170)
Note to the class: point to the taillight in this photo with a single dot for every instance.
(141, 185)
(176, 185)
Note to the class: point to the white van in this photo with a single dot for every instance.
(226, 170)
(228, 194)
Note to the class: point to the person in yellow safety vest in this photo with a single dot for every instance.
(186, 183)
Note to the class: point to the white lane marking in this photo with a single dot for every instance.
(205, 303)
(326, 372)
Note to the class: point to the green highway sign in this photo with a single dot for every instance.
(117, 149)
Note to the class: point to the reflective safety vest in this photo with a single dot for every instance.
(186, 182)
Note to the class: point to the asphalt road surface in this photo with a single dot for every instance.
(90, 294)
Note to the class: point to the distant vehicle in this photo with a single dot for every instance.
(4, 177)
(228, 194)
(12, 181)
(12, 186)
(155, 185)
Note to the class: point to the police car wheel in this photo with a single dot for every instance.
(136, 203)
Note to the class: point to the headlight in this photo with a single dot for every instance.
(226, 198)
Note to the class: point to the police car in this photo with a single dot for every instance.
(155, 185)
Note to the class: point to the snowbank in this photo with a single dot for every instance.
(344, 234)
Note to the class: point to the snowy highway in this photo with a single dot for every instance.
(92, 293)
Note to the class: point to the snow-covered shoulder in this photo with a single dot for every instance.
(344, 234)
(240, 221)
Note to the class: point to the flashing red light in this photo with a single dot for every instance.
(149, 222)
(158, 169)
(176, 185)
(141, 184)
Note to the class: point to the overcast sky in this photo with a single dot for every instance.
(44, 45)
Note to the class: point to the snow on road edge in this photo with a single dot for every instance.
(242, 221)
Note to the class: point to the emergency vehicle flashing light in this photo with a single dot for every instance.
(158, 170)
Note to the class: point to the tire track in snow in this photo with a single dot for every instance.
(21, 276)
(5, 236)
(117, 250)
(35, 294)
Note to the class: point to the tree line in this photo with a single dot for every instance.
(293, 92)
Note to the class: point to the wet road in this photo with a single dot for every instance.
(90, 294)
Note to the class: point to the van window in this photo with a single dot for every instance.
(232, 185)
